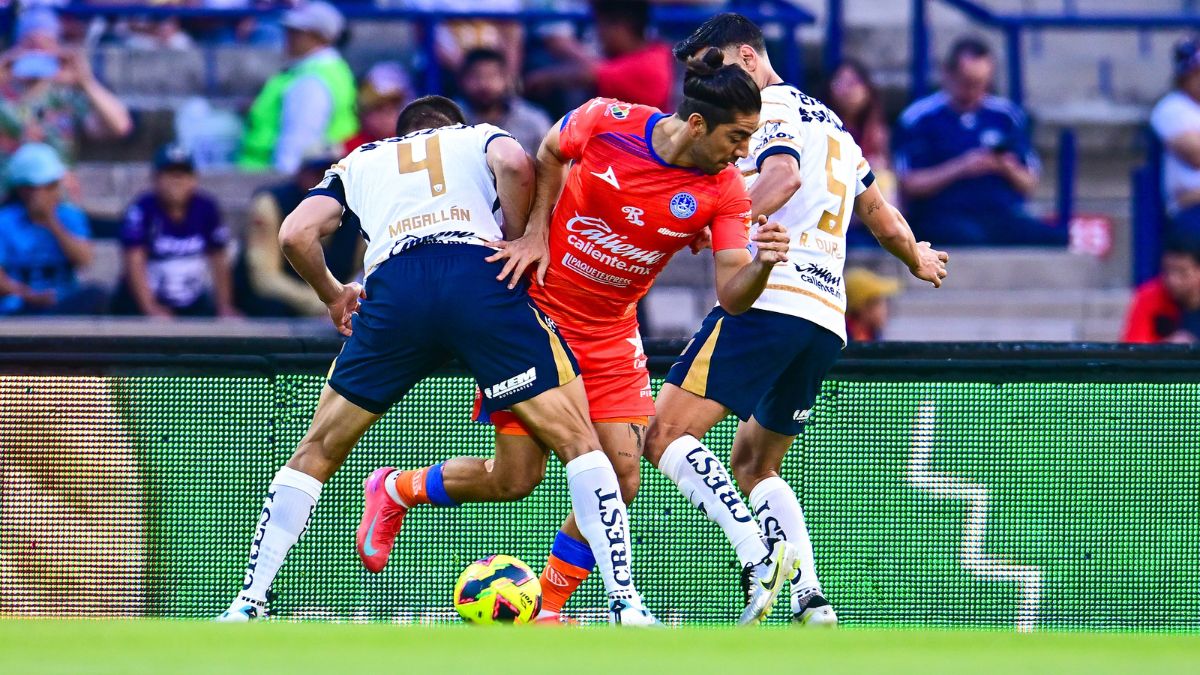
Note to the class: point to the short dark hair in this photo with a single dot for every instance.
(722, 31)
(482, 55)
(1183, 242)
(717, 92)
(963, 47)
(636, 13)
(429, 112)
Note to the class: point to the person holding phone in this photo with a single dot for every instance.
(966, 163)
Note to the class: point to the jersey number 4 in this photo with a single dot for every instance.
(834, 223)
(431, 164)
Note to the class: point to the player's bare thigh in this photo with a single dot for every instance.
(559, 419)
(680, 412)
(336, 428)
(757, 454)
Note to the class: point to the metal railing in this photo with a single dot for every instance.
(767, 13)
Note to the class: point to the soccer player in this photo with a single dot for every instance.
(622, 188)
(766, 365)
(424, 201)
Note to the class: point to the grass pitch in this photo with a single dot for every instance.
(158, 646)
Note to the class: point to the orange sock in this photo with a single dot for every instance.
(410, 485)
(559, 580)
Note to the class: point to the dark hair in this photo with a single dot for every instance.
(872, 114)
(1183, 242)
(429, 112)
(964, 47)
(636, 13)
(722, 31)
(482, 55)
(716, 91)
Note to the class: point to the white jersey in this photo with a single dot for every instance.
(428, 186)
(833, 173)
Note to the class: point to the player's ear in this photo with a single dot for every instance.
(697, 127)
(748, 58)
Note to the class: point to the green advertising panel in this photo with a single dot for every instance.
(1017, 506)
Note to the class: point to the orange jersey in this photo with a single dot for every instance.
(624, 212)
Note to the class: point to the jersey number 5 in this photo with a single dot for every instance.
(834, 223)
(431, 164)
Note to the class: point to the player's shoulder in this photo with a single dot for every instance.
(999, 105)
(611, 112)
(924, 108)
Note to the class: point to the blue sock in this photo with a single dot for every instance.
(436, 488)
(573, 552)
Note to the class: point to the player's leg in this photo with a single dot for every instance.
(292, 497)
(758, 450)
(571, 561)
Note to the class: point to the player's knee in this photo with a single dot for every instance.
(630, 482)
(658, 438)
(748, 470)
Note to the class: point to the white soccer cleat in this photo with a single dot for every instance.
(243, 610)
(763, 582)
(630, 613)
(816, 612)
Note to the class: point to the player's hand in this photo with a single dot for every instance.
(772, 241)
(931, 264)
(518, 255)
(701, 241)
(979, 162)
(344, 306)
(40, 299)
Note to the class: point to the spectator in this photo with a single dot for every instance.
(853, 96)
(145, 33)
(267, 286)
(43, 240)
(384, 91)
(633, 68)
(50, 95)
(489, 93)
(965, 161)
(311, 103)
(1176, 121)
(1167, 308)
(454, 39)
(175, 245)
(867, 297)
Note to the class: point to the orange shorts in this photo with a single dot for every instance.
(613, 367)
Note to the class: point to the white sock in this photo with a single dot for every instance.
(702, 478)
(602, 518)
(285, 516)
(780, 514)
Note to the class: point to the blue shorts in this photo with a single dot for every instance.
(442, 301)
(759, 364)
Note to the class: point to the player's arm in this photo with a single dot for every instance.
(891, 229)
(533, 248)
(778, 180)
(741, 277)
(300, 238)
(514, 183)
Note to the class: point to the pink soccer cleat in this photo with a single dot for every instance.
(381, 521)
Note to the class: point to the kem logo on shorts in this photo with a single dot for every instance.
(513, 384)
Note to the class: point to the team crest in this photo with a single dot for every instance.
(618, 111)
(683, 205)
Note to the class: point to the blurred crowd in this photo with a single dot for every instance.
(961, 160)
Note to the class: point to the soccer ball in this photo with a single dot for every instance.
(498, 589)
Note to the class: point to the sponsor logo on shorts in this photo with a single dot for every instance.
(801, 416)
(512, 385)
(684, 205)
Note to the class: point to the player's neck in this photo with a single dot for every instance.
(769, 78)
(669, 138)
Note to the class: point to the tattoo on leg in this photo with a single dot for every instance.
(639, 432)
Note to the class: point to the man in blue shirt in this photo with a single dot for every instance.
(966, 163)
(43, 240)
